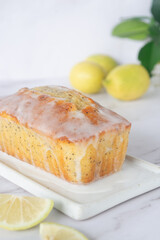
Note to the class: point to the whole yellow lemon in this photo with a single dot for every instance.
(106, 62)
(127, 82)
(87, 77)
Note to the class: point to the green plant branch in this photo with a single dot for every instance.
(141, 28)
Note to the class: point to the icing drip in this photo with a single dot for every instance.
(78, 168)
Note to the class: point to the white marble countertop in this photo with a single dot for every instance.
(135, 219)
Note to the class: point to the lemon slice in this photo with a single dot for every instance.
(54, 231)
(21, 212)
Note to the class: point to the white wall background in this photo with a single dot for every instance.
(45, 38)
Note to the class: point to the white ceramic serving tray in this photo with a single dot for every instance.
(83, 201)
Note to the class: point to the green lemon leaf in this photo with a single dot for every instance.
(154, 31)
(155, 9)
(133, 29)
(149, 55)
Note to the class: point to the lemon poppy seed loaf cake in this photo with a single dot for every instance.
(63, 132)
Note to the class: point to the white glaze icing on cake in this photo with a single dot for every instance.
(38, 110)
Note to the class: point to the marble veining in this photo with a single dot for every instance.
(135, 219)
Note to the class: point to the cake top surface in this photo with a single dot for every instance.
(59, 112)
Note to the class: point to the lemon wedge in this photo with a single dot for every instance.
(23, 212)
(54, 231)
